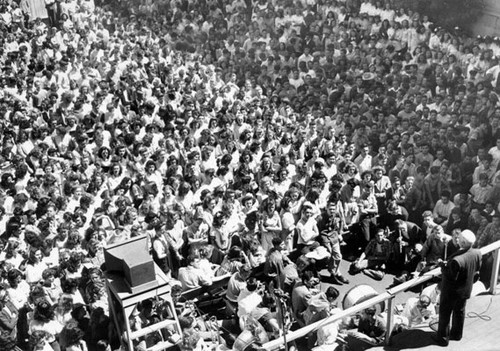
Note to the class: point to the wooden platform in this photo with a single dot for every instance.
(479, 333)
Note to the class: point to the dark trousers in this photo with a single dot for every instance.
(52, 13)
(449, 305)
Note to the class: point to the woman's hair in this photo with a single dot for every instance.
(184, 188)
(74, 262)
(270, 201)
(37, 293)
(206, 201)
(49, 272)
(11, 247)
(12, 276)
(219, 218)
(32, 257)
(69, 285)
(66, 302)
(44, 312)
(312, 195)
(94, 291)
(102, 149)
(234, 253)
(74, 239)
(73, 334)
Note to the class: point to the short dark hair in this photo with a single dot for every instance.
(191, 258)
(446, 193)
(252, 284)
(332, 293)
(307, 275)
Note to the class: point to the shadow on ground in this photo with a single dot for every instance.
(417, 338)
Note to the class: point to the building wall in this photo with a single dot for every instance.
(489, 22)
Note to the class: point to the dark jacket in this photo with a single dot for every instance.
(415, 235)
(460, 272)
(329, 228)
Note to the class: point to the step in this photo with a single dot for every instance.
(152, 328)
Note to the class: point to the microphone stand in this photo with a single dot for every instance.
(281, 306)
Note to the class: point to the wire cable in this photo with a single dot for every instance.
(481, 315)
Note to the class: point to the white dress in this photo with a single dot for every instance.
(36, 9)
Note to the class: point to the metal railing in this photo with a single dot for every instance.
(388, 296)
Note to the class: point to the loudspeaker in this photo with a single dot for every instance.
(132, 260)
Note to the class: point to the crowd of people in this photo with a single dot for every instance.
(257, 139)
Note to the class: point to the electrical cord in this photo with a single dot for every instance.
(481, 315)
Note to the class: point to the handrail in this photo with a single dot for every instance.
(387, 295)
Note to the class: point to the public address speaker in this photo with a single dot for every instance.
(132, 260)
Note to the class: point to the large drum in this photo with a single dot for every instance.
(253, 332)
(361, 293)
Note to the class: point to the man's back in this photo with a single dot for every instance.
(190, 277)
(459, 273)
(300, 296)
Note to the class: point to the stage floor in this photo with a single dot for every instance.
(479, 333)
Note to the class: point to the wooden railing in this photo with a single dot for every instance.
(388, 296)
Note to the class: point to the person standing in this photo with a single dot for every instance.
(330, 226)
(8, 321)
(459, 273)
(51, 8)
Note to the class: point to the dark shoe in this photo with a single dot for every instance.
(455, 338)
(335, 280)
(342, 279)
(439, 340)
(374, 274)
(400, 279)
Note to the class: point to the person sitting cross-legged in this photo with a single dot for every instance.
(374, 259)
(419, 310)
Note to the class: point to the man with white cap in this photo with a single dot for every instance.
(458, 277)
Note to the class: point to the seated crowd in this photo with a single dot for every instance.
(256, 140)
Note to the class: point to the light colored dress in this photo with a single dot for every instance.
(37, 9)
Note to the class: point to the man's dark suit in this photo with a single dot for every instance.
(458, 278)
(404, 257)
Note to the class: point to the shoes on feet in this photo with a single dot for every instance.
(342, 279)
(335, 280)
(374, 274)
(400, 279)
(440, 341)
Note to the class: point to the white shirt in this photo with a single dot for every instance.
(247, 302)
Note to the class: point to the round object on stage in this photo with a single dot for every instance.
(361, 293)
